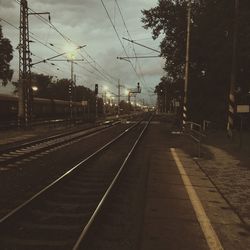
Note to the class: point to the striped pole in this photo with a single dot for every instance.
(231, 106)
(231, 110)
(184, 114)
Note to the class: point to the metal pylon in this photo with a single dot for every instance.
(25, 92)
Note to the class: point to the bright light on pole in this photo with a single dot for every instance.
(34, 88)
(70, 51)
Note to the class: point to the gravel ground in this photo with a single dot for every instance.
(25, 179)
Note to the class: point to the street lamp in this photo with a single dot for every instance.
(105, 88)
(71, 57)
(34, 88)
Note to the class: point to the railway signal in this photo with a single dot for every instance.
(133, 92)
(96, 89)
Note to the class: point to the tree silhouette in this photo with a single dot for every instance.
(210, 51)
(5, 57)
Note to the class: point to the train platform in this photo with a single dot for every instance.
(169, 199)
(194, 203)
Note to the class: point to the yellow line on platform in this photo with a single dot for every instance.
(207, 228)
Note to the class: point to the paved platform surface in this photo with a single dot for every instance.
(172, 219)
(228, 166)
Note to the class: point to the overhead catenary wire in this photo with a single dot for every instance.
(52, 49)
(124, 23)
(68, 40)
(98, 69)
(136, 56)
(32, 36)
(109, 17)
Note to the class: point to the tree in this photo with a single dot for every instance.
(5, 57)
(210, 51)
(125, 107)
(168, 90)
(43, 84)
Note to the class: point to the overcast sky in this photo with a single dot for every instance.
(86, 22)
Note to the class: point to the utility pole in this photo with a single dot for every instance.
(119, 97)
(72, 78)
(184, 114)
(24, 85)
(231, 106)
(25, 92)
(96, 102)
(70, 89)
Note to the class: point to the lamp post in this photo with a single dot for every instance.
(105, 88)
(71, 58)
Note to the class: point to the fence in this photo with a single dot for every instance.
(196, 132)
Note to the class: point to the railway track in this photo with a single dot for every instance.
(23, 151)
(60, 215)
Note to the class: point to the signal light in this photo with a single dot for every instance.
(96, 89)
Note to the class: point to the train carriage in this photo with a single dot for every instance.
(41, 109)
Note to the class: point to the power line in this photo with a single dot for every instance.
(112, 77)
(132, 41)
(136, 57)
(12, 25)
(139, 66)
(32, 36)
(55, 51)
(67, 39)
(124, 23)
(32, 54)
(119, 38)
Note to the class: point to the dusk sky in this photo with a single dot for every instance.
(85, 22)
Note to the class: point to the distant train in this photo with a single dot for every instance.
(42, 108)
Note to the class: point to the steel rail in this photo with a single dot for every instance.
(30, 143)
(98, 208)
(64, 138)
(18, 209)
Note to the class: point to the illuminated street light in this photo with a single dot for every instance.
(70, 51)
(34, 88)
